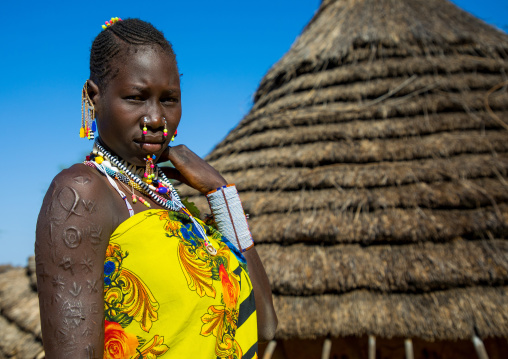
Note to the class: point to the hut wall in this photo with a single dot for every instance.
(356, 348)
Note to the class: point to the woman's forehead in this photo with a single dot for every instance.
(145, 56)
(143, 63)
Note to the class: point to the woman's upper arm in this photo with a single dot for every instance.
(72, 234)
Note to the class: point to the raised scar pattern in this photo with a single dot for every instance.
(81, 179)
(95, 234)
(72, 314)
(89, 205)
(90, 352)
(66, 339)
(67, 264)
(72, 237)
(58, 282)
(42, 274)
(92, 285)
(75, 290)
(94, 308)
(72, 209)
(87, 332)
(56, 298)
(87, 264)
(52, 222)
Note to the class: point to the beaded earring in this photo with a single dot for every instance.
(145, 129)
(173, 138)
(88, 126)
(165, 127)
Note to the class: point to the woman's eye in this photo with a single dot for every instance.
(134, 98)
(169, 100)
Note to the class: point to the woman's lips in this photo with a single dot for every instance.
(150, 147)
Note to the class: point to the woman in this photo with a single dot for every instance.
(137, 276)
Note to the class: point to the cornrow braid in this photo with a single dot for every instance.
(118, 38)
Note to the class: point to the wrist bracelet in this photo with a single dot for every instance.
(229, 216)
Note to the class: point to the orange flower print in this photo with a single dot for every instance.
(118, 344)
(230, 290)
(153, 349)
(171, 225)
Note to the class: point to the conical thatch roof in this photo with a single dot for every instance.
(20, 329)
(374, 167)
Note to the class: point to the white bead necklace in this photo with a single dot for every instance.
(174, 203)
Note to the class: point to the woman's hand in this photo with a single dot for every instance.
(191, 169)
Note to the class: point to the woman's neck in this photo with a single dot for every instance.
(137, 170)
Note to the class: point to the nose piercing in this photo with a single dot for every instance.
(165, 127)
(145, 130)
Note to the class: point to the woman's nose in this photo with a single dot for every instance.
(155, 114)
(152, 122)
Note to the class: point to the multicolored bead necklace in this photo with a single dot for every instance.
(154, 183)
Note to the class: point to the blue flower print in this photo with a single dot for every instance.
(109, 267)
(188, 234)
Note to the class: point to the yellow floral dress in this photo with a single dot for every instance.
(166, 297)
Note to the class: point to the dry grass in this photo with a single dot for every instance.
(394, 226)
(20, 330)
(412, 268)
(353, 30)
(451, 314)
(312, 155)
(393, 128)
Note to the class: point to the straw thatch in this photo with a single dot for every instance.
(374, 168)
(20, 329)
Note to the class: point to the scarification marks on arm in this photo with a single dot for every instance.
(87, 264)
(71, 206)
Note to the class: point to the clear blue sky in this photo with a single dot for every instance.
(223, 50)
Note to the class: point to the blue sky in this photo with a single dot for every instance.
(223, 50)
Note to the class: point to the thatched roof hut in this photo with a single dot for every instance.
(20, 329)
(374, 168)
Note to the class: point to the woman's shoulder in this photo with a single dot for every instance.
(78, 189)
(77, 201)
(81, 179)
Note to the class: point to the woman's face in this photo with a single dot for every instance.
(147, 84)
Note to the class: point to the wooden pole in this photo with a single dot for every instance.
(327, 348)
(372, 347)
(270, 348)
(408, 345)
(480, 348)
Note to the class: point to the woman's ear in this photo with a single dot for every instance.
(94, 94)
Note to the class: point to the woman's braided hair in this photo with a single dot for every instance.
(118, 38)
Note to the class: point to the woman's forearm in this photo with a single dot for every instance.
(267, 319)
(195, 172)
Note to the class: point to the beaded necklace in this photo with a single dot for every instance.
(111, 166)
(173, 204)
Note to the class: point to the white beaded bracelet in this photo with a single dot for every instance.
(229, 216)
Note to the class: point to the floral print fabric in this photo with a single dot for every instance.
(165, 296)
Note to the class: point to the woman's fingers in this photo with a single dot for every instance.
(192, 170)
(173, 173)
